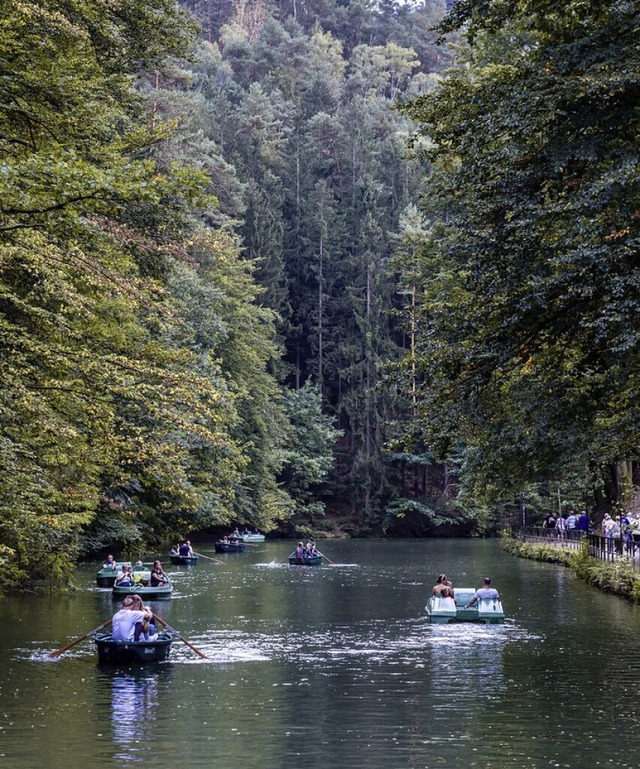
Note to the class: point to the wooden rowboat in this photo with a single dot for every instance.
(133, 651)
(183, 560)
(307, 560)
(230, 547)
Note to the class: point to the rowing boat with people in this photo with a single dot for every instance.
(183, 560)
(305, 560)
(231, 546)
(135, 652)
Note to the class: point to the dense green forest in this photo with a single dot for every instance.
(355, 266)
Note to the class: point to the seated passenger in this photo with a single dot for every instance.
(109, 563)
(140, 578)
(185, 549)
(148, 630)
(124, 577)
(486, 591)
(128, 623)
(300, 552)
(443, 587)
(158, 577)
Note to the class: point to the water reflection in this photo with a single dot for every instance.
(134, 710)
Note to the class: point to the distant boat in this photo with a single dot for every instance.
(446, 610)
(107, 575)
(183, 560)
(252, 537)
(306, 560)
(144, 591)
(132, 651)
(237, 546)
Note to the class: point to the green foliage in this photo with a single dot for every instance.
(528, 346)
(307, 457)
(136, 401)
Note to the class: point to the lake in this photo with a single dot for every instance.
(333, 667)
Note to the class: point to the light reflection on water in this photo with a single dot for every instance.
(335, 667)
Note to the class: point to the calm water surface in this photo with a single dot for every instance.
(333, 667)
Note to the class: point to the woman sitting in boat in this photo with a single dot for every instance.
(128, 623)
(125, 577)
(300, 551)
(443, 587)
(158, 577)
(148, 625)
(109, 563)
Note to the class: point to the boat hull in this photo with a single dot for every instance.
(161, 591)
(230, 547)
(442, 611)
(253, 537)
(183, 560)
(314, 560)
(132, 652)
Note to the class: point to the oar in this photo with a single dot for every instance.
(184, 640)
(325, 557)
(215, 560)
(58, 652)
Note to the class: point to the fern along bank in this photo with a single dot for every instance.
(618, 577)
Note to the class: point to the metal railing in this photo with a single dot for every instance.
(611, 549)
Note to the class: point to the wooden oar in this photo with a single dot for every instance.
(184, 640)
(325, 557)
(58, 652)
(215, 560)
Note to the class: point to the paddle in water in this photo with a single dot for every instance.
(184, 640)
(325, 558)
(58, 652)
(215, 560)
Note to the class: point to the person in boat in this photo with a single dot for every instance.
(486, 591)
(185, 549)
(110, 563)
(128, 623)
(299, 551)
(148, 625)
(175, 550)
(158, 577)
(125, 577)
(443, 587)
(246, 532)
(140, 576)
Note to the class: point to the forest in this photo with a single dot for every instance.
(353, 268)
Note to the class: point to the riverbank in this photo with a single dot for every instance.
(617, 577)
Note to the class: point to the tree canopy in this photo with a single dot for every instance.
(528, 350)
